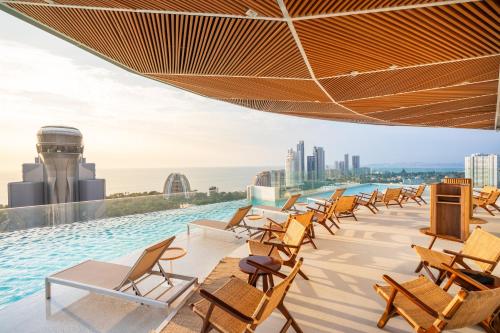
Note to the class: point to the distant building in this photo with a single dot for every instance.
(336, 165)
(300, 162)
(262, 179)
(177, 183)
(342, 167)
(319, 160)
(355, 164)
(364, 171)
(291, 168)
(60, 173)
(311, 169)
(278, 178)
(482, 169)
(346, 164)
(213, 190)
(270, 178)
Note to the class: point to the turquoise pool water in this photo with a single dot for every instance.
(28, 256)
(366, 188)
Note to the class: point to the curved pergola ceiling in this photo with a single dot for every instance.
(390, 62)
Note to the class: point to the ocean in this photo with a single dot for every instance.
(142, 180)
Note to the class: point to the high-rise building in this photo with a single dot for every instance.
(336, 166)
(291, 168)
(278, 178)
(346, 164)
(311, 169)
(177, 183)
(355, 164)
(60, 173)
(342, 166)
(300, 161)
(263, 178)
(482, 169)
(319, 157)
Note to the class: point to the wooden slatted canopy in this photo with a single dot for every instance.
(391, 62)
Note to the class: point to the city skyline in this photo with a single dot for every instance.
(50, 82)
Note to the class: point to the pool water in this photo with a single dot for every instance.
(365, 188)
(28, 256)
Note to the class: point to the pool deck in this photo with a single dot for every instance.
(338, 298)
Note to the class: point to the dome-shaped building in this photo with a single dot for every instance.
(176, 183)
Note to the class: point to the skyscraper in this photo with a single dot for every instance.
(263, 178)
(290, 168)
(355, 164)
(300, 161)
(482, 169)
(319, 160)
(311, 169)
(346, 164)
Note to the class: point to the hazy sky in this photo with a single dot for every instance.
(130, 121)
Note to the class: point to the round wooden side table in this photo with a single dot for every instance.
(173, 253)
(267, 278)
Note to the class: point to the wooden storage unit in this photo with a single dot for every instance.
(462, 181)
(450, 210)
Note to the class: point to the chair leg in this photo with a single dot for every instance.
(496, 207)
(486, 209)
(206, 321)
(414, 199)
(327, 228)
(389, 312)
(355, 219)
(335, 223)
(425, 202)
(303, 275)
(290, 320)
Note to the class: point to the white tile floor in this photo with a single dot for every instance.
(337, 298)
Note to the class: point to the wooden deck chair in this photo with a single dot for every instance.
(334, 197)
(322, 216)
(481, 248)
(235, 223)
(344, 207)
(272, 226)
(123, 281)
(391, 195)
(238, 307)
(414, 194)
(485, 199)
(368, 201)
(428, 308)
(288, 206)
(288, 244)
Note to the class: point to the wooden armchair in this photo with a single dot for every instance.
(344, 207)
(238, 307)
(322, 216)
(391, 195)
(481, 248)
(275, 229)
(414, 194)
(368, 201)
(485, 199)
(430, 309)
(333, 198)
(288, 243)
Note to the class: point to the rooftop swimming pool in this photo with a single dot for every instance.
(29, 255)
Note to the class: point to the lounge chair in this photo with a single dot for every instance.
(414, 194)
(123, 281)
(305, 218)
(428, 308)
(344, 207)
(238, 307)
(235, 223)
(288, 207)
(322, 215)
(289, 244)
(481, 248)
(391, 194)
(368, 201)
(485, 199)
(334, 197)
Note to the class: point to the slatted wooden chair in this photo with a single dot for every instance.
(334, 197)
(288, 243)
(367, 200)
(344, 207)
(430, 309)
(414, 194)
(481, 248)
(485, 199)
(272, 226)
(288, 206)
(391, 195)
(323, 216)
(238, 307)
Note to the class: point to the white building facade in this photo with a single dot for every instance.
(482, 169)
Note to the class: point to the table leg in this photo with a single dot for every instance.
(265, 285)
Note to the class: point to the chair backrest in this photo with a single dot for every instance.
(484, 245)
(146, 261)
(420, 190)
(337, 194)
(493, 197)
(238, 216)
(290, 202)
(470, 308)
(392, 194)
(489, 189)
(295, 233)
(345, 204)
(304, 218)
(373, 197)
(274, 296)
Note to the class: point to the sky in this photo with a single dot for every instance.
(132, 122)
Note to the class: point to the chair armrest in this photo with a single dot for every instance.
(316, 210)
(466, 256)
(226, 307)
(471, 281)
(271, 230)
(417, 301)
(265, 268)
(278, 244)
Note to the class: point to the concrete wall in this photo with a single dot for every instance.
(92, 189)
(25, 194)
(264, 193)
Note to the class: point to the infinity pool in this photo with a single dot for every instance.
(28, 256)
